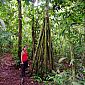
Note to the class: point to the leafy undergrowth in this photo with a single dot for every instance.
(63, 78)
(9, 75)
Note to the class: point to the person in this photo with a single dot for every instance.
(24, 60)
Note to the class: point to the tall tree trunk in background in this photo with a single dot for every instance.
(72, 55)
(33, 34)
(45, 41)
(72, 60)
(84, 42)
(49, 44)
(37, 49)
(80, 37)
(52, 59)
(43, 60)
(19, 29)
(48, 51)
(84, 29)
(84, 33)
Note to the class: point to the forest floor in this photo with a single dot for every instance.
(9, 75)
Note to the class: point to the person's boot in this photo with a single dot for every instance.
(22, 81)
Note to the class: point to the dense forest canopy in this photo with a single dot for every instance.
(53, 28)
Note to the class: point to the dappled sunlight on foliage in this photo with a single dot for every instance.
(53, 30)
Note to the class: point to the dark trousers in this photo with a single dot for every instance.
(23, 68)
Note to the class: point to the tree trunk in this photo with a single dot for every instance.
(84, 42)
(73, 64)
(37, 49)
(20, 29)
(42, 59)
(33, 34)
(33, 39)
(52, 59)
